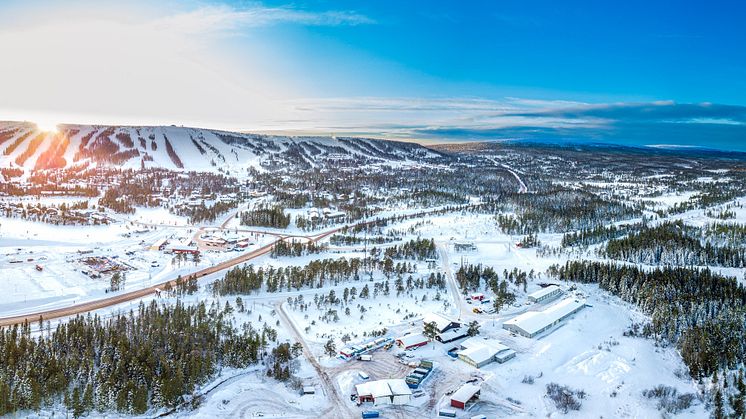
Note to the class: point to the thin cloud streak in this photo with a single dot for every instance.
(224, 19)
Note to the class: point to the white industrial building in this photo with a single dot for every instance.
(479, 352)
(545, 294)
(534, 323)
(392, 391)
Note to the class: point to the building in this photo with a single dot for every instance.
(451, 335)
(533, 323)
(441, 322)
(464, 246)
(392, 391)
(479, 352)
(411, 341)
(464, 395)
(180, 248)
(545, 294)
(158, 245)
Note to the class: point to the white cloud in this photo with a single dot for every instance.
(223, 19)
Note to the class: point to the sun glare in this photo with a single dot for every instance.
(47, 126)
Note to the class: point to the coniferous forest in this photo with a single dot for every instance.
(703, 313)
(154, 357)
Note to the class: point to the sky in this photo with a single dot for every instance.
(637, 73)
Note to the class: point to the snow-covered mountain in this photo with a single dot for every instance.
(22, 145)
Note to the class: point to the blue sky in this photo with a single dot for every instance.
(635, 72)
(574, 50)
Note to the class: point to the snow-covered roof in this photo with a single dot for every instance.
(481, 350)
(439, 320)
(465, 392)
(534, 321)
(543, 292)
(412, 339)
(452, 334)
(383, 388)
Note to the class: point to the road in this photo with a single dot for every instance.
(522, 188)
(339, 408)
(458, 299)
(131, 295)
(147, 291)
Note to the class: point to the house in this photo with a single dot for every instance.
(451, 335)
(411, 341)
(545, 294)
(441, 322)
(533, 323)
(479, 352)
(392, 391)
(464, 395)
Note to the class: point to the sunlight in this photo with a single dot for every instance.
(47, 126)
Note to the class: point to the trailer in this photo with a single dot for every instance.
(447, 413)
(371, 414)
(421, 372)
(365, 357)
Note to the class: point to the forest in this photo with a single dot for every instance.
(674, 243)
(701, 312)
(151, 358)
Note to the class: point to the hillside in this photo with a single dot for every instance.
(171, 147)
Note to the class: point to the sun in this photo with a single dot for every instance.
(47, 126)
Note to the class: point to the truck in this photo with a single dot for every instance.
(371, 414)
(365, 357)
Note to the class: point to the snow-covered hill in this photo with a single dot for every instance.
(171, 147)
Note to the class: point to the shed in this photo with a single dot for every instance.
(464, 394)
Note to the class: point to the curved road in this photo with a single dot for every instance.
(144, 292)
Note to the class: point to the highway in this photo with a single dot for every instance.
(128, 296)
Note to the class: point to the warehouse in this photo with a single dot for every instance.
(392, 391)
(464, 394)
(480, 352)
(533, 323)
(411, 341)
(545, 294)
